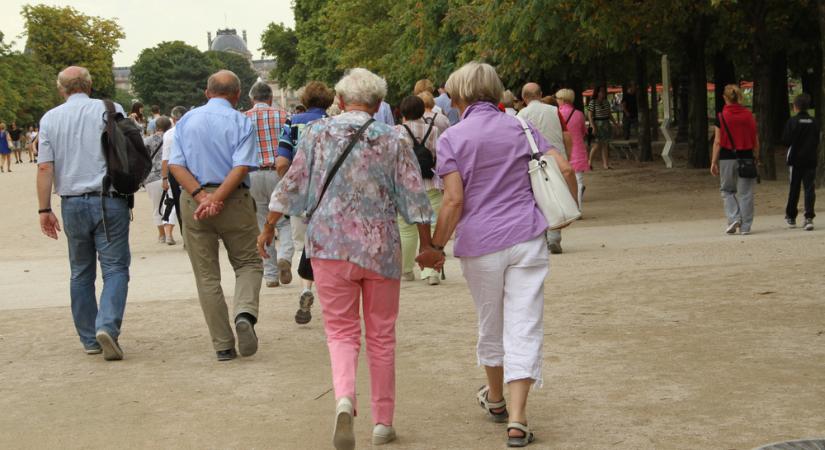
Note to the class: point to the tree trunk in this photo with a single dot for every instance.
(654, 111)
(683, 111)
(645, 150)
(724, 73)
(698, 153)
(820, 112)
(770, 105)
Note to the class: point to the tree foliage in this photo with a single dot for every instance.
(27, 87)
(281, 42)
(62, 36)
(171, 74)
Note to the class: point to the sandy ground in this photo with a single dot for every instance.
(661, 332)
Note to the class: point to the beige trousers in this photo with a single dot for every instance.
(237, 227)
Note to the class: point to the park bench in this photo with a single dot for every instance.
(629, 149)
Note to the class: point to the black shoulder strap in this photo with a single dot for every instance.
(338, 163)
(567, 120)
(412, 136)
(427, 135)
(730, 136)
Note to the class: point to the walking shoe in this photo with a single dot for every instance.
(809, 224)
(731, 229)
(247, 339)
(304, 313)
(791, 222)
(272, 283)
(109, 346)
(226, 355)
(170, 241)
(94, 350)
(284, 271)
(555, 248)
(343, 437)
(161, 239)
(382, 434)
(408, 276)
(433, 280)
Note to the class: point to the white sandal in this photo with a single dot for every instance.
(487, 405)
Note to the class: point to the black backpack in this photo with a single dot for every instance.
(127, 160)
(426, 160)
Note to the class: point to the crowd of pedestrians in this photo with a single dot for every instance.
(363, 201)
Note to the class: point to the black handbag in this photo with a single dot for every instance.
(305, 265)
(747, 166)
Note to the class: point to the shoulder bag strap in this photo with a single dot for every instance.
(727, 130)
(412, 136)
(534, 150)
(338, 163)
(569, 116)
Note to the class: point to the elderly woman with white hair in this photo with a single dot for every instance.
(353, 176)
(488, 201)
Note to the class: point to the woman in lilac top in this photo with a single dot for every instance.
(489, 203)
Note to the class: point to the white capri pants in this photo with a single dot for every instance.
(299, 232)
(508, 289)
(155, 191)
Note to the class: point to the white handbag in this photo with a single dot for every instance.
(549, 187)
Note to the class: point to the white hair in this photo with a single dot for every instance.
(474, 82)
(566, 95)
(361, 87)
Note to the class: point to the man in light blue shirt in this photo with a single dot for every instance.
(384, 114)
(446, 106)
(212, 154)
(71, 159)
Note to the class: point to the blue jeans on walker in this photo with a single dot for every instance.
(83, 225)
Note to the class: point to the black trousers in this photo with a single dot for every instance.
(175, 188)
(802, 176)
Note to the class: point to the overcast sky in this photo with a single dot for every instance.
(149, 22)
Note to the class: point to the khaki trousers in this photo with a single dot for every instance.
(237, 227)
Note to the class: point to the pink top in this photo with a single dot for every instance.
(578, 131)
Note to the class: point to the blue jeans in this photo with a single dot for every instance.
(83, 225)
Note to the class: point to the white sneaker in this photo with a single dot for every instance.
(809, 224)
(433, 280)
(343, 437)
(382, 434)
(731, 229)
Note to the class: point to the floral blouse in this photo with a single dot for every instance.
(153, 144)
(356, 219)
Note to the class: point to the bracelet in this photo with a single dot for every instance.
(197, 191)
(165, 178)
(44, 211)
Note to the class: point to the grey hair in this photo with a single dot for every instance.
(361, 87)
(474, 82)
(260, 91)
(178, 112)
(163, 124)
(223, 82)
(72, 83)
(508, 99)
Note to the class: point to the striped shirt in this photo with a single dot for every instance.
(599, 109)
(267, 123)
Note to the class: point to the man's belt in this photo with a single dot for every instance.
(217, 185)
(97, 194)
(272, 168)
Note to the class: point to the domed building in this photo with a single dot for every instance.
(227, 40)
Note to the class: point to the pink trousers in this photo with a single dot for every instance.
(341, 285)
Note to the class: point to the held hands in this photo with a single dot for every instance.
(49, 225)
(265, 239)
(432, 258)
(207, 207)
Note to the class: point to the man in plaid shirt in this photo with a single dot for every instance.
(268, 123)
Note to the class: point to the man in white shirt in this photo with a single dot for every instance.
(548, 120)
(71, 158)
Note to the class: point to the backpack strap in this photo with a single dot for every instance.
(338, 163)
(427, 135)
(412, 136)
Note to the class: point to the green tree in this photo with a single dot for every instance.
(242, 68)
(171, 74)
(62, 36)
(317, 59)
(282, 43)
(27, 88)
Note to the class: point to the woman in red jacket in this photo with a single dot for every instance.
(735, 146)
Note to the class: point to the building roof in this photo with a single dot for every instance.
(229, 41)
